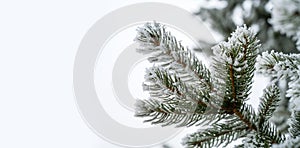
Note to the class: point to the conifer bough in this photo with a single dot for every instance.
(184, 92)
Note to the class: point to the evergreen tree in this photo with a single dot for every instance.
(277, 23)
(184, 92)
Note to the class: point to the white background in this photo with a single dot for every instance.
(38, 43)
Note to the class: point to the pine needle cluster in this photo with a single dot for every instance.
(184, 92)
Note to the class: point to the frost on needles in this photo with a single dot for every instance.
(184, 92)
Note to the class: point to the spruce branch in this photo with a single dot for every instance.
(173, 113)
(165, 50)
(269, 102)
(172, 101)
(282, 66)
(247, 115)
(295, 124)
(182, 89)
(162, 84)
(167, 113)
(278, 65)
(294, 131)
(218, 134)
(277, 24)
(234, 65)
(288, 143)
(264, 131)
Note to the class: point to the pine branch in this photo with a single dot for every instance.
(247, 115)
(288, 143)
(270, 133)
(257, 140)
(268, 104)
(171, 98)
(278, 65)
(218, 134)
(295, 124)
(162, 84)
(166, 51)
(233, 65)
(244, 119)
(166, 113)
(169, 113)
(266, 130)
(181, 89)
(233, 56)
